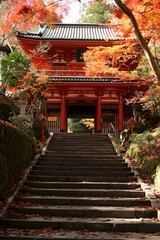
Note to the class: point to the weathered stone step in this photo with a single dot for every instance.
(82, 155)
(86, 211)
(80, 144)
(81, 163)
(84, 192)
(81, 168)
(48, 234)
(81, 178)
(80, 160)
(84, 144)
(95, 173)
(79, 138)
(90, 224)
(80, 152)
(80, 147)
(84, 201)
(90, 146)
(86, 185)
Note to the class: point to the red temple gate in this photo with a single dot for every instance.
(61, 59)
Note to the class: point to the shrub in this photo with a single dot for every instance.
(15, 150)
(23, 125)
(145, 149)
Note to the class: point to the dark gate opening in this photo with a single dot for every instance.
(81, 118)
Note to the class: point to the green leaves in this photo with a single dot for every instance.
(14, 67)
(95, 12)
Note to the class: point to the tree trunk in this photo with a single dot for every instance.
(140, 38)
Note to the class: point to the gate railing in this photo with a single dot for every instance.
(53, 123)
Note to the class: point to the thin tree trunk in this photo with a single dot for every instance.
(140, 38)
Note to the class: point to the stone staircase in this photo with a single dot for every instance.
(79, 189)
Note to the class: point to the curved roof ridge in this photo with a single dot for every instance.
(72, 31)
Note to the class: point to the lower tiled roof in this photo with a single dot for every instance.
(88, 79)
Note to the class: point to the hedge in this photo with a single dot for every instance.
(15, 150)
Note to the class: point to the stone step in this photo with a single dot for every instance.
(86, 185)
(84, 148)
(125, 179)
(83, 152)
(81, 168)
(80, 163)
(95, 173)
(79, 152)
(83, 156)
(81, 160)
(80, 224)
(84, 201)
(48, 234)
(80, 145)
(85, 143)
(81, 139)
(78, 137)
(73, 146)
(84, 192)
(84, 211)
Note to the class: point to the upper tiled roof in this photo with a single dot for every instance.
(87, 32)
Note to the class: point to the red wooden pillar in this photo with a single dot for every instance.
(120, 114)
(99, 116)
(63, 115)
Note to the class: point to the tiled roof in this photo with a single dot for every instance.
(81, 32)
(88, 79)
(4, 99)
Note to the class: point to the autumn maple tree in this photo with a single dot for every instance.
(144, 16)
(115, 61)
(141, 19)
(26, 15)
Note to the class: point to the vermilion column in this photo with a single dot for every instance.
(63, 115)
(120, 114)
(99, 116)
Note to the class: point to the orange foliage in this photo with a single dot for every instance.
(36, 86)
(151, 99)
(118, 61)
(26, 14)
(147, 14)
(111, 61)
